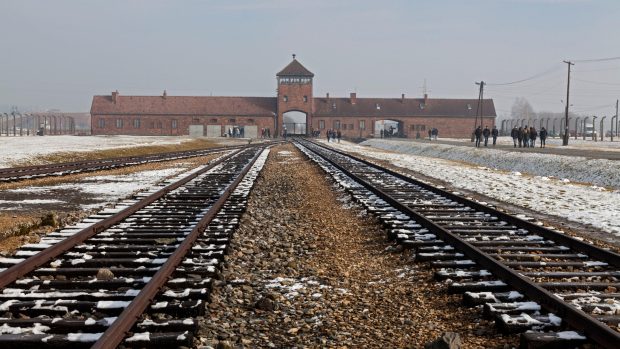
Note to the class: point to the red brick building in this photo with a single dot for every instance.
(294, 109)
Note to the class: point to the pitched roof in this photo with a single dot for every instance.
(398, 107)
(295, 69)
(183, 105)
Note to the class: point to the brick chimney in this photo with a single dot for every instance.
(425, 98)
(353, 98)
(402, 98)
(164, 95)
(115, 96)
(327, 96)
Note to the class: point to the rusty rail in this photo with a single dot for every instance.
(115, 334)
(16, 271)
(594, 329)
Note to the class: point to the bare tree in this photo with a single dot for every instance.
(522, 110)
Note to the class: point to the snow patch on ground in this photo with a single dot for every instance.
(578, 203)
(577, 169)
(15, 149)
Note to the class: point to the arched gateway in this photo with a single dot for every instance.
(294, 99)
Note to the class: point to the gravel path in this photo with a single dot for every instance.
(307, 268)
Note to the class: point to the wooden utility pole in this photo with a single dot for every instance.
(479, 106)
(565, 141)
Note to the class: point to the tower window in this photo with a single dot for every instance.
(285, 98)
(305, 99)
(378, 106)
(333, 105)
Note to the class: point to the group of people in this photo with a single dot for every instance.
(388, 133)
(479, 133)
(526, 137)
(432, 133)
(333, 135)
(234, 132)
(265, 133)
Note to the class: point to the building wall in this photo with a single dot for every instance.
(157, 125)
(447, 126)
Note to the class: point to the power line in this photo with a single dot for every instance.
(597, 60)
(548, 71)
(597, 82)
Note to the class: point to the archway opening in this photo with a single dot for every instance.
(388, 128)
(294, 122)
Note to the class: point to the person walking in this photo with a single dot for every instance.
(526, 137)
(533, 135)
(515, 134)
(494, 133)
(338, 135)
(543, 137)
(486, 133)
(328, 133)
(478, 134)
(520, 135)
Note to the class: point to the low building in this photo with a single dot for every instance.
(294, 110)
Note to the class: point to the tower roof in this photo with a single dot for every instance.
(295, 69)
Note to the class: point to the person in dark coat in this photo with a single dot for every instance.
(533, 135)
(515, 135)
(520, 135)
(543, 137)
(338, 135)
(526, 137)
(494, 133)
(486, 133)
(478, 134)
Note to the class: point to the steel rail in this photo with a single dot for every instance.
(16, 271)
(591, 327)
(115, 334)
(607, 256)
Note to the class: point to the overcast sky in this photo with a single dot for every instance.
(58, 54)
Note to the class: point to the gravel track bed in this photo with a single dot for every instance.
(307, 268)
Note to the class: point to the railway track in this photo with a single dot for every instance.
(527, 277)
(66, 168)
(135, 275)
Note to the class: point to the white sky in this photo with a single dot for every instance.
(58, 54)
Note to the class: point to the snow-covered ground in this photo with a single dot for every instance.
(15, 149)
(598, 172)
(588, 204)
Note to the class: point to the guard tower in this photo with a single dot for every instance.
(294, 99)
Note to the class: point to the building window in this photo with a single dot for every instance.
(159, 125)
(378, 106)
(213, 121)
(136, 123)
(350, 126)
(101, 123)
(305, 99)
(250, 121)
(362, 124)
(152, 125)
(119, 123)
(321, 124)
(285, 98)
(334, 105)
(174, 124)
(232, 121)
(196, 120)
(337, 125)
